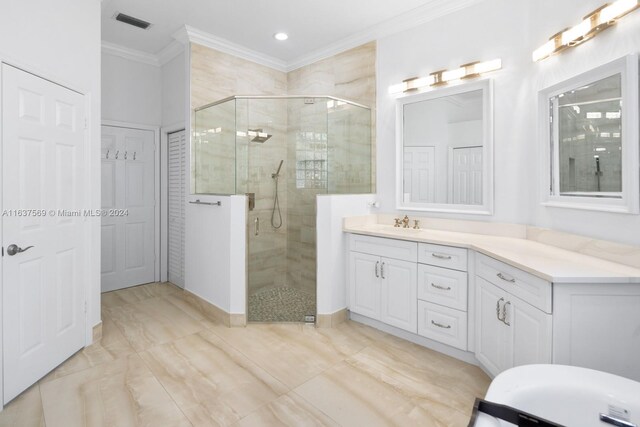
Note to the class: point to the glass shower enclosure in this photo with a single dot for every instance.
(282, 152)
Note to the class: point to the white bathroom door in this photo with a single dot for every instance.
(43, 303)
(466, 185)
(176, 199)
(128, 203)
(419, 174)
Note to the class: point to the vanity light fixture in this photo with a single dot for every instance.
(442, 77)
(592, 24)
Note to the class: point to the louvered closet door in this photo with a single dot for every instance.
(177, 183)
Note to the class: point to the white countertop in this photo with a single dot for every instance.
(547, 262)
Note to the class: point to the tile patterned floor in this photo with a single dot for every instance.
(160, 363)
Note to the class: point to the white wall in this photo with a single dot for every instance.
(61, 41)
(131, 91)
(331, 275)
(215, 258)
(174, 91)
(510, 30)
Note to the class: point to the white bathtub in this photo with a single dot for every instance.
(565, 395)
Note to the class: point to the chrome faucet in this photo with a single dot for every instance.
(405, 222)
(398, 222)
(416, 224)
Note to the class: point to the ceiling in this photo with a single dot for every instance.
(312, 25)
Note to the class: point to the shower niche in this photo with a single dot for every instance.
(281, 152)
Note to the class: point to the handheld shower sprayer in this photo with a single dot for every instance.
(277, 174)
(276, 203)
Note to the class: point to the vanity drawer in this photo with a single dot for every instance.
(442, 286)
(442, 324)
(389, 248)
(442, 256)
(531, 289)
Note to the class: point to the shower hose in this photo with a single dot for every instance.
(276, 206)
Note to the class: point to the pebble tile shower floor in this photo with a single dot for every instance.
(282, 304)
(161, 363)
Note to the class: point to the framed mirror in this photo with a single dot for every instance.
(589, 136)
(445, 149)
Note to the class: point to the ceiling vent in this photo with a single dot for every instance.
(132, 21)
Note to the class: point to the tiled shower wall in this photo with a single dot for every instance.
(349, 75)
(288, 256)
(215, 76)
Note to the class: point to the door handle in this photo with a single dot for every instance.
(257, 222)
(15, 249)
(377, 264)
(382, 271)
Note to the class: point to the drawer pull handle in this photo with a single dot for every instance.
(440, 256)
(382, 271)
(377, 264)
(506, 279)
(498, 309)
(440, 325)
(504, 313)
(448, 288)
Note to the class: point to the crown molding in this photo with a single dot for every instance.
(430, 11)
(131, 54)
(193, 35)
(170, 51)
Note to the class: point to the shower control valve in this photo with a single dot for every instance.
(398, 222)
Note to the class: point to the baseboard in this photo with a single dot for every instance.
(212, 312)
(97, 332)
(332, 320)
(465, 356)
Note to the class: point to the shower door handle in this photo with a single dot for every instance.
(257, 223)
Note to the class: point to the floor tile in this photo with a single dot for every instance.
(154, 321)
(112, 346)
(289, 352)
(24, 411)
(423, 374)
(352, 397)
(137, 294)
(289, 410)
(213, 383)
(191, 371)
(120, 393)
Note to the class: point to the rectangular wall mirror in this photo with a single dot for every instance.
(589, 128)
(445, 150)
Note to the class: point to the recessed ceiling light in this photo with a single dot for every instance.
(281, 36)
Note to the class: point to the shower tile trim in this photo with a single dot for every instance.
(332, 320)
(212, 312)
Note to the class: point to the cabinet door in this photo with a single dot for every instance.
(399, 304)
(529, 333)
(364, 284)
(491, 333)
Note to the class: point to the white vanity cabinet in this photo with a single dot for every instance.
(442, 294)
(489, 310)
(509, 331)
(383, 280)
